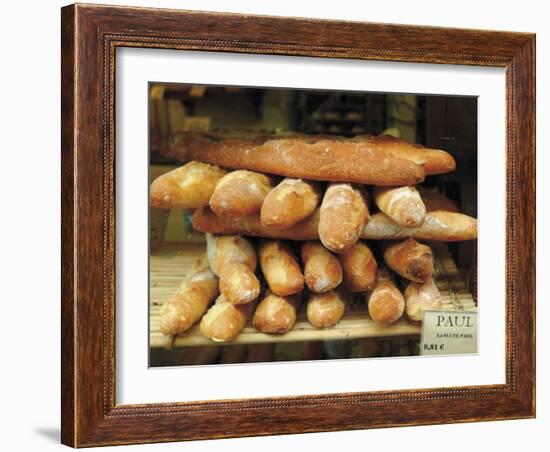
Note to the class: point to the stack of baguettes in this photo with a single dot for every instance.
(309, 199)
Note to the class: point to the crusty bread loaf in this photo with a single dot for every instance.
(433, 161)
(385, 303)
(326, 309)
(190, 302)
(224, 320)
(420, 297)
(359, 267)
(280, 268)
(276, 314)
(438, 225)
(233, 259)
(322, 270)
(240, 193)
(188, 187)
(364, 161)
(410, 259)
(289, 203)
(342, 216)
(402, 204)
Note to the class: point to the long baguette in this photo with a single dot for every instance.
(438, 225)
(410, 259)
(240, 193)
(420, 297)
(290, 202)
(188, 187)
(385, 303)
(224, 320)
(343, 214)
(191, 300)
(233, 259)
(365, 161)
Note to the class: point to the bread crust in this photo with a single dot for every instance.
(342, 216)
(276, 314)
(438, 225)
(224, 320)
(280, 268)
(189, 303)
(385, 303)
(420, 297)
(402, 204)
(364, 161)
(240, 193)
(360, 267)
(322, 270)
(326, 309)
(290, 202)
(233, 259)
(188, 187)
(410, 259)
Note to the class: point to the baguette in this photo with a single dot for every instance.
(385, 303)
(289, 203)
(359, 267)
(402, 204)
(365, 161)
(224, 320)
(276, 314)
(240, 193)
(191, 300)
(342, 216)
(322, 270)
(280, 268)
(326, 309)
(410, 259)
(233, 259)
(188, 187)
(438, 225)
(420, 297)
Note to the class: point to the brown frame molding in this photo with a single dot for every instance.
(90, 35)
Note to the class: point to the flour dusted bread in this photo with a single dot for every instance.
(359, 268)
(233, 259)
(188, 187)
(240, 193)
(290, 202)
(402, 204)
(326, 309)
(190, 302)
(410, 259)
(224, 320)
(420, 297)
(276, 314)
(322, 270)
(438, 225)
(280, 268)
(342, 216)
(385, 303)
(364, 161)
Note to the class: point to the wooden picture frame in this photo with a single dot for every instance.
(90, 36)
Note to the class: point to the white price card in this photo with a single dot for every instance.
(449, 333)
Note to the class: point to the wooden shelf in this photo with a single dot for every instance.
(170, 262)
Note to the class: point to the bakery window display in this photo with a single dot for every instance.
(302, 246)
